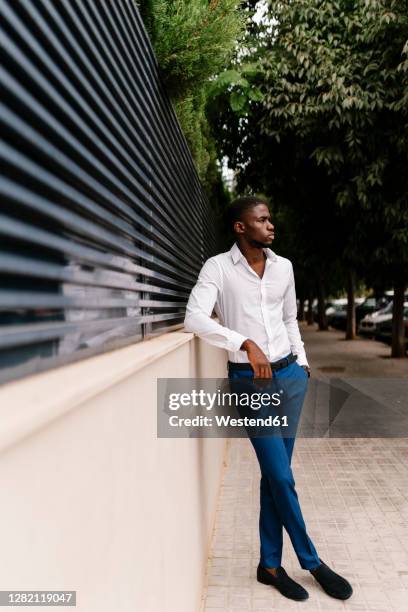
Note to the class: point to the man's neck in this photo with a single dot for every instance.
(252, 254)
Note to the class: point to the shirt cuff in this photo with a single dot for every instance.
(302, 361)
(235, 341)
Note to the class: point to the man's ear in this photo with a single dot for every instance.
(239, 227)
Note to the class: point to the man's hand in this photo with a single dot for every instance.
(257, 358)
(306, 369)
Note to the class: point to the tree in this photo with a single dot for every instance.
(334, 82)
(333, 73)
(193, 41)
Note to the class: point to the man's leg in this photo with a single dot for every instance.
(279, 500)
(270, 528)
(279, 504)
(278, 477)
(270, 524)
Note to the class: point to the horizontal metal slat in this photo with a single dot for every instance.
(75, 94)
(73, 221)
(30, 334)
(127, 82)
(32, 300)
(104, 224)
(12, 264)
(8, 81)
(13, 335)
(89, 205)
(27, 233)
(160, 304)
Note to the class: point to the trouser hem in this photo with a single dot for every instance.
(310, 565)
(271, 563)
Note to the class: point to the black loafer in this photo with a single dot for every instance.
(334, 584)
(288, 587)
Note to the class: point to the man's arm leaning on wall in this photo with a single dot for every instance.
(200, 306)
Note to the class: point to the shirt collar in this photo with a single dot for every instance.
(236, 253)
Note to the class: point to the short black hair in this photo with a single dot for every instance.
(237, 207)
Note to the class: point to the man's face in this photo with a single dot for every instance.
(256, 226)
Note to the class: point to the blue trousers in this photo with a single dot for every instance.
(279, 504)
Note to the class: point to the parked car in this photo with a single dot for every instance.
(368, 324)
(337, 312)
(373, 304)
(334, 305)
(384, 330)
(331, 307)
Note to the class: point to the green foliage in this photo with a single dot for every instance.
(333, 74)
(193, 41)
(240, 84)
(328, 140)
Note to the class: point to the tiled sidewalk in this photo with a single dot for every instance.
(354, 499)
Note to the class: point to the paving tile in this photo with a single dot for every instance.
(354, 516)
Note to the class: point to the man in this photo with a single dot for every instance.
(252, 291)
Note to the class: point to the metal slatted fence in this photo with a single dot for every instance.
(103, 222)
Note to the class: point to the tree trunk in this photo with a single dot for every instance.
(309, 308)
(321, 304)
(351, 305)
(398, 331)
(301, 315)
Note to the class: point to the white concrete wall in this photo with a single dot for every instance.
(91, 500)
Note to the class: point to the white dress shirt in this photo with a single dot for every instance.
(247, 306)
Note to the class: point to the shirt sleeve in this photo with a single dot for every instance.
(200, 306)
(291, 322)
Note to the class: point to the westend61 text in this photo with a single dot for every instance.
(227, 421)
